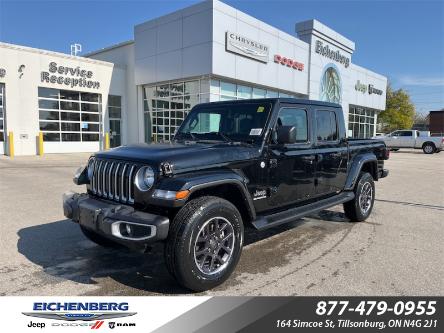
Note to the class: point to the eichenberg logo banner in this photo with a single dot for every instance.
(186, 314)
(97, 313)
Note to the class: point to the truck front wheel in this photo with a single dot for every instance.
(205, 243)
(361, 206)
(428, 148)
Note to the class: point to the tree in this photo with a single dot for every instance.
(399, 111)
(420, 122)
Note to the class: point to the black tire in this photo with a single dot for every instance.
(428, 148)
(355, 210)
(183, 245)
(99, 240)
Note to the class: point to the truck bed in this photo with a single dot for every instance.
(375, 146)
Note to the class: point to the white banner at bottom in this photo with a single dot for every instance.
(76, 314)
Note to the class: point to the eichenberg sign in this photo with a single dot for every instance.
(329, 53)
(69, 76)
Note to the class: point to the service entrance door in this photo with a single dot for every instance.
(2, 119)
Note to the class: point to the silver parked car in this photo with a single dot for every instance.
(412, 139)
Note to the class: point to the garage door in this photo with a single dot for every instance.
(69, 120)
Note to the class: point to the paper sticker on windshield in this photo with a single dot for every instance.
(256, 131)
(260, 109)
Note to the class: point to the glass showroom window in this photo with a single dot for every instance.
(166, 106)
(2, 115)
(361, 122)
(115, 116)
(225, 91)
(69, 115)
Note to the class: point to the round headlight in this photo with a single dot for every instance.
(91, 168)
(144, 178)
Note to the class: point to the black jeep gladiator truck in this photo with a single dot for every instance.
(257, 163)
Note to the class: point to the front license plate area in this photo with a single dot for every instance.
(92, 212)
(87, 218)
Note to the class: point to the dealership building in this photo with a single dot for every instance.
(141, 90)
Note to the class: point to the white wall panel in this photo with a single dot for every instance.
(169, 36)
(197, 29)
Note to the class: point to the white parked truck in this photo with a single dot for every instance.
(412, 139)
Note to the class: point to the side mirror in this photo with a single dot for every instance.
(286, 134)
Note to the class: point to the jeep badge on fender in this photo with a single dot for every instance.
(257, 163)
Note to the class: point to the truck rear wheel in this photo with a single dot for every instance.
(98, 239)
(205, 243)
(361, 206)
(428, 148)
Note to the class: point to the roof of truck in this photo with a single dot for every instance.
(280, 100)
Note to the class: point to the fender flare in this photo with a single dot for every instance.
(356, 167)
(426, 142)
(212, 179)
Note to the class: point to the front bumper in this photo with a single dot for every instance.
(119, 223)
(383, 173)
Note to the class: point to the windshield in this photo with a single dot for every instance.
(243, 122)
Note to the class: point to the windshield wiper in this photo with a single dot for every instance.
(222, 135)
(189, 134)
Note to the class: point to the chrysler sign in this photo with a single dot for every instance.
(246, 47)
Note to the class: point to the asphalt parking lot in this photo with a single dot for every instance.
(397, 251)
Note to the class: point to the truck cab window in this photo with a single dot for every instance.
(297, 118)
(242, 122)
(326, 126)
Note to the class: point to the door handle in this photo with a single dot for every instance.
(336, 154)
(273, 163)
(309, 158)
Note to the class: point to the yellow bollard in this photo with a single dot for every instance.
(106, 141)
(11, 144)
(40, 143)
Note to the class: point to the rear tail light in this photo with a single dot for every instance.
(387, 153)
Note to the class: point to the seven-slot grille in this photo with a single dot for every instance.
(113, 180)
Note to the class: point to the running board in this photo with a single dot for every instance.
(273, 220)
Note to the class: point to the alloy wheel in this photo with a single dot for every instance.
(365, 197)
(428, 149)
(214, 245)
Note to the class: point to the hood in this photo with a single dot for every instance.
(182, 155)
